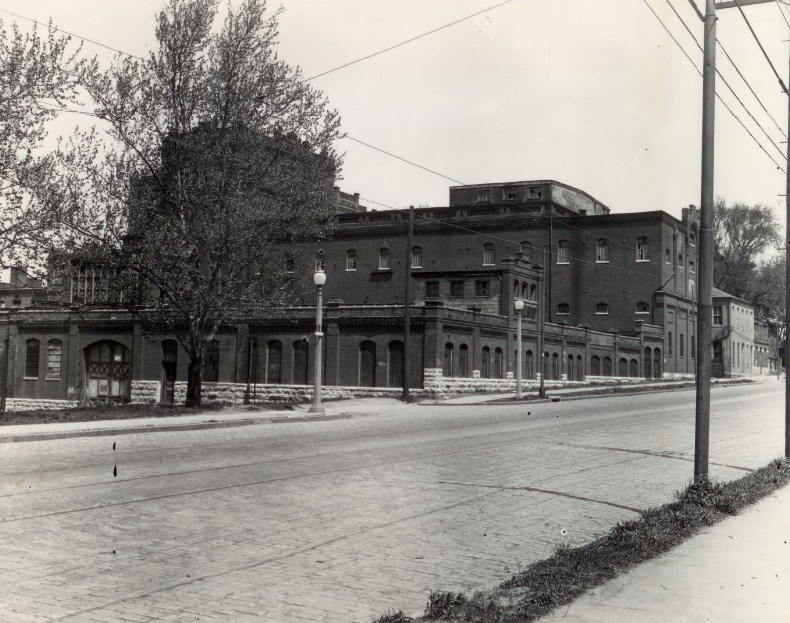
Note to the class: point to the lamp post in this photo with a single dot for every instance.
(519, 304)
(319, 278)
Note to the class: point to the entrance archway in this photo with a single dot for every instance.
(107, 373)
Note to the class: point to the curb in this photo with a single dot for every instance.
(168, 428)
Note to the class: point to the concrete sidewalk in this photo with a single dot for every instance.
(735, 571)
(232, 416)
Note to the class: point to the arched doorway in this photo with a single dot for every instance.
(622, 367)
(648, 356)
(107, 373)
(571, 375)
(395, 363)
(595, 365)
(657, 363)
(607, 366)
(274, 361)
(634, 369)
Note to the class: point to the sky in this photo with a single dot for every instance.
(592, 94)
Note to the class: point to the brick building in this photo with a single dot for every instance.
(618, 294)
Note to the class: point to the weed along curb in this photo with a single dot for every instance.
(571, 572)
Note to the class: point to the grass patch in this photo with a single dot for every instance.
(120, 412)
(570, 572)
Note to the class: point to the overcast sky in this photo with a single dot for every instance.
(594, 94)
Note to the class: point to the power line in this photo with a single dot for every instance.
(680, 47)
(779, 6)
(71, 34)
(762, 49)
(727, 84)
(402, 43)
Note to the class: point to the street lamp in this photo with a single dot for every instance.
(519, 303)
(319, 278)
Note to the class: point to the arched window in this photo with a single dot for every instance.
(602, 250)
(680, 262)
(595, 365)
(622, 367)
(563, 308)
(579, 376)
(602, 309)
(529, 365)
(533, 292)
(571, 377)
(211, 364)
(607, 366)
(692, 239)
(485, 363)
(648, 355)
(667, 256)
(642, 308)
(54, 356)
(563, 252)
(300, 359)
(488, 254)
(384, 258)
(463, 360)
(367, 363)
(32, 358)
(680, 346)
(642, 249)
(524, 289)
(657, 361)
(555, 367)
(447, 367)
(274, 362)
(416, 257)
(633, 371)
(351, 259)
(395, 363)
(526, 248)
(499, 369)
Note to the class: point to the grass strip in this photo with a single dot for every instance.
(571, 572)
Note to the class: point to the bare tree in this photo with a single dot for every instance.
(38, 77)
(216, 152)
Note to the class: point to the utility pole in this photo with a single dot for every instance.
(542, 333)
(407, 308)
(705, 300)
(787, 292)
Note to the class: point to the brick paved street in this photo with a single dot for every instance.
(341, 520)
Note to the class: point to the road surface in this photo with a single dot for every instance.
(343, 520)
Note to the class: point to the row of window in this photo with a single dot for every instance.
(602, 309)
(681, 345)
(602, 253)
(33, 359)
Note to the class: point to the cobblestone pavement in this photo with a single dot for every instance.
(343, 520)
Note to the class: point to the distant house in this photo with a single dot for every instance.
(732, 335)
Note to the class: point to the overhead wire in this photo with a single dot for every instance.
(718, 96)
(726, 83)
(762, 49)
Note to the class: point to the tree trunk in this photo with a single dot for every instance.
(194, 379)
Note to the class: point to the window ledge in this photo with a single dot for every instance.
(29, 378)
(563, 262)
(601, 261)
(601, 313)
(50, 379)
(643, 260)
(642, 313)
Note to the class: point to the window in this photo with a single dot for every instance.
(642, 250)
(482, 196)
(488, 255)
(483, 288)
(533, 292)
(680, 346)
(457, 289)
(680, 262)
(463, 360)
(602, 251)
(416, 257)
(525, 247)
(211, 365)
(667, 256)
(351, 260)
(602, 309)
(563, 308)
(499, 370)
(718, 316)
(289, 263)
(670, 316)
(510, 195)
(54, 356)
(669, 344)
(692, 239)
(485, 363)
(692, 270)
(384, 259)
(432, 289)
(447, 369)
(642, 308)
(31, 359)
(563, 246)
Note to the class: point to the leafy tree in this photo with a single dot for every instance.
(213, 152)
(38, 76)
(742, 235)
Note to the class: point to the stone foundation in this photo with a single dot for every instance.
(34, 404)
